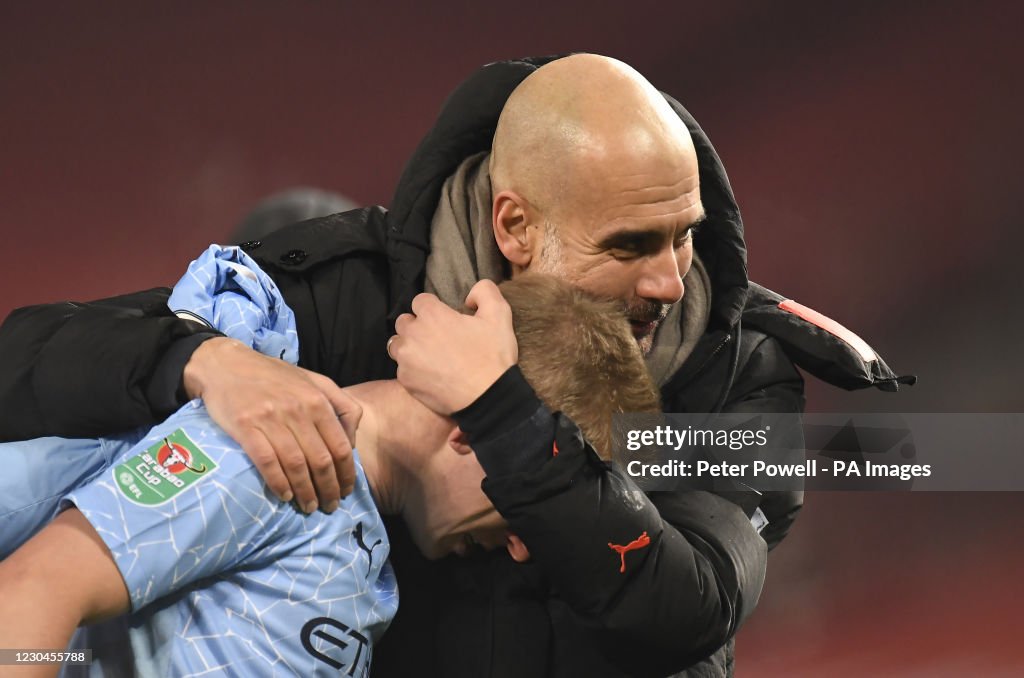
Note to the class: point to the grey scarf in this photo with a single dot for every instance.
(463, 251)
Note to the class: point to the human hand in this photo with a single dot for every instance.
(447, 359)
(297, 426)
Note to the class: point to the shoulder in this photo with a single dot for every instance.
(817, 343)
(308, 244)
(334, 274)
(762, 360)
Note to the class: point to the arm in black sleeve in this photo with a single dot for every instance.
(769, 383)
(509, 410)
(88, 369)
(696, 569)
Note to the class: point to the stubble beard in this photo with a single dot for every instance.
(642, 312)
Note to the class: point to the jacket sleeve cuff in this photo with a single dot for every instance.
(166, 390)
(507, 402)
(508, 427)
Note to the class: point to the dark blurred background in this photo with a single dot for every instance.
(874, 149)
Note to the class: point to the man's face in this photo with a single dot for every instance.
(625, 232)
(450, 513)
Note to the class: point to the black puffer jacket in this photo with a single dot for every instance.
(86, 369)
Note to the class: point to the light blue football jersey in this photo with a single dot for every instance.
(223, 288)
(38, 473)
(225, 579)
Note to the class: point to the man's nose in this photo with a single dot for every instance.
(662, 279)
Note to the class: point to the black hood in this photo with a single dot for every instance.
(466, 126)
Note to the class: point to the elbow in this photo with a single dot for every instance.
(674, 632)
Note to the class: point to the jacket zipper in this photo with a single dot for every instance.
(707, 361)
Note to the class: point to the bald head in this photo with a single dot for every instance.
(574, 119)
(595, 180)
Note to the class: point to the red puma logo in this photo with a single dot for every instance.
(638, 543)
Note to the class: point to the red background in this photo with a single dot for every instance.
(874, 150)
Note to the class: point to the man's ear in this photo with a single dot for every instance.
(510, 218)
(457, 441)
(516, 548)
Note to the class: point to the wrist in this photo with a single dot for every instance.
(507, 402)
(204, 358)
(477, 382)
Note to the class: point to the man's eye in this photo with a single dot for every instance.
(627, 251)
(684, 239)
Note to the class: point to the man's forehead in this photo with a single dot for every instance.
(637, 226)
(639, 202)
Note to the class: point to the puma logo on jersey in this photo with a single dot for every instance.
(358, 532)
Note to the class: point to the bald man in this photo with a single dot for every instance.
(597, 178)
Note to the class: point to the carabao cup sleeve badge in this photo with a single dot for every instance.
(163, 470)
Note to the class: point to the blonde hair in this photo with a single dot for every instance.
(578, 353)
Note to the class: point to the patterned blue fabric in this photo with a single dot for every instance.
(226, 289)
(224, 579)
(227, 580)
(38, 473)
